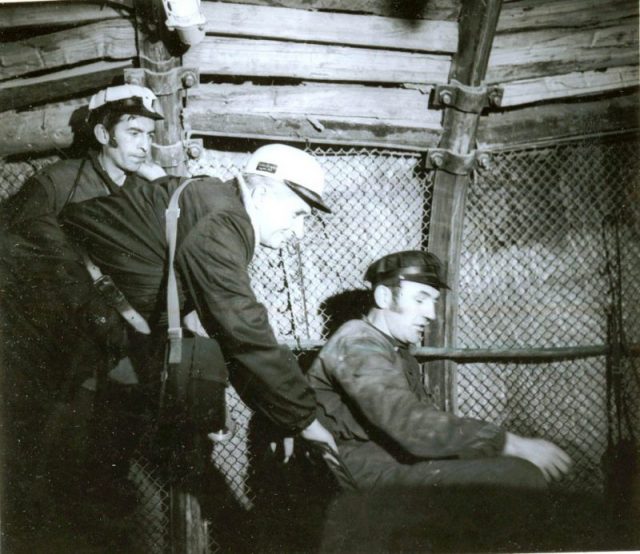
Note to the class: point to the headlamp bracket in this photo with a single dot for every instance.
(166, 82)
(458, 164)
(466, 98)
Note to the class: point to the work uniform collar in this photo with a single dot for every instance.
(249, 206)
(395, 343)
(97, 166)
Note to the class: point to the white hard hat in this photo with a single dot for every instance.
(299, 170)
(130, 99)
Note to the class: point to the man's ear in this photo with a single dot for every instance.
(258, 193)
(383, 297)
(101, 134)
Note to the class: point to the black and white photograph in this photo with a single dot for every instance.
(319, 276)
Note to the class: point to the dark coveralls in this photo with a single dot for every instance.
(56, 330)
(125, 234)
(370, 396)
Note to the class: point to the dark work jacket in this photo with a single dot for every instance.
(49, 190)
(125, 234)
(56, 325)
(368, 388)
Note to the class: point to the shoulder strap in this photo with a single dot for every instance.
(174, 330)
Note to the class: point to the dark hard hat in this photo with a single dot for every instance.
(408, 265)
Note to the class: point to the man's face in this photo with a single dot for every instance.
(410, 311)
(280, 215)
(129, 142)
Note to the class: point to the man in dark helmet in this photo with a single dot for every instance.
(371, 397)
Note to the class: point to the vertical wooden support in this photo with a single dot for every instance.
(156, 58)
(188, 530)
(478, 20)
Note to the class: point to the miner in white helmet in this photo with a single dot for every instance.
(122, 120)
(220, 226)
(58, 330)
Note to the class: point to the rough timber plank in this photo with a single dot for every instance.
(525, 55)
(330, 28)
(51, 14)
(340, 113)
(534, 14)
(270, 58)
(433, 9)
(545, 123)
(113, 39)
(569, 85)
(21, 93)
(40, 130)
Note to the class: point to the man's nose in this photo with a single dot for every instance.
(145, 143)
(430, 310)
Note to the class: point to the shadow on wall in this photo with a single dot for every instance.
(340, 308)
(410, 10)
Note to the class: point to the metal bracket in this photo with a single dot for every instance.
(194, 148)
(168, 155)
(163, 83)
(458, 164)
(172, 155)
(467, 99)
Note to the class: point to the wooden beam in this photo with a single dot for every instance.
(330, 113)
(562, 120)
(52, 14)
(156, 58)
(330, 28)
(446, 10)
(50, 126)
(113, 39)
(478, 22)
(533, 14)
(21, 93)
(526, 55)
(40, 130)
(528, 91)
(270, 58)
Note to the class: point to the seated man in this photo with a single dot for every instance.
(372, 399)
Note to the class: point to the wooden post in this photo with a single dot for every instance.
(154, 43)
(156, 53)
(478, 21)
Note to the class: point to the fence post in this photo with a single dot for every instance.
(477, 24)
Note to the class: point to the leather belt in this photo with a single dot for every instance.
(108, 289)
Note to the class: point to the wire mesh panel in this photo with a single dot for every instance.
(14, 174)
(537, 270)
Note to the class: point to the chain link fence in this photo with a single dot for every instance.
(551, 239)
(546, 231)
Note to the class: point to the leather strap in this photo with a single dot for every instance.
(174, 327)
(118, 301)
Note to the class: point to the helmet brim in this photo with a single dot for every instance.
(309, 196)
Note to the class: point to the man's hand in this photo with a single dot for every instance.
(552, 460)
(316, 432)
(151, 171)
